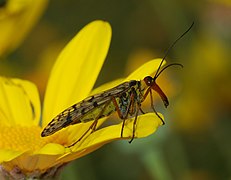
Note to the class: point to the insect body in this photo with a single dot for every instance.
(126, 99)
(92, 108)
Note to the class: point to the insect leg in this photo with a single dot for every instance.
(130, 105)
(117, 108)
(123, 117)
(141, 110)
(143, 98)
(99, 115)
(153, 108)
(135, 121)
(126, 115)
(146, 93)
(93, 125)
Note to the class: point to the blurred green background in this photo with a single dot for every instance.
(195, 142)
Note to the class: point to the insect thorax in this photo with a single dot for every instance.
(129, 99)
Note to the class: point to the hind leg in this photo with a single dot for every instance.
(93, 125)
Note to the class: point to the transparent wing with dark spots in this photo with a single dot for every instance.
(86, 110)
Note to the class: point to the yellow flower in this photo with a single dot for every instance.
(16, 20)
(23, 152)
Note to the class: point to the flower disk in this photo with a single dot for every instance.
(22, 138)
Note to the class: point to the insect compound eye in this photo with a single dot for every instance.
(148, 80)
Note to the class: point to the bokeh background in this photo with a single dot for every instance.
(195, 142)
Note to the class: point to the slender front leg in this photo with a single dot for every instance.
(153, 108)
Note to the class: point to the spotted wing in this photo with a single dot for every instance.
(86, 110)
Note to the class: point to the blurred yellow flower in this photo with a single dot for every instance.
(16, 20)
(207, 85)
(23, 152)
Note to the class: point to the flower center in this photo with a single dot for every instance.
(21, 138)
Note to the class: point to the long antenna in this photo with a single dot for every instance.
(172, 64)
(170, 47)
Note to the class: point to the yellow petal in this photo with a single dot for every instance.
(146, 125)
(107, 86)
(51, 149)
(21, 14)
(19, 102)
(146, 69)
(8, 155)
(76, 68)
(78, 154)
